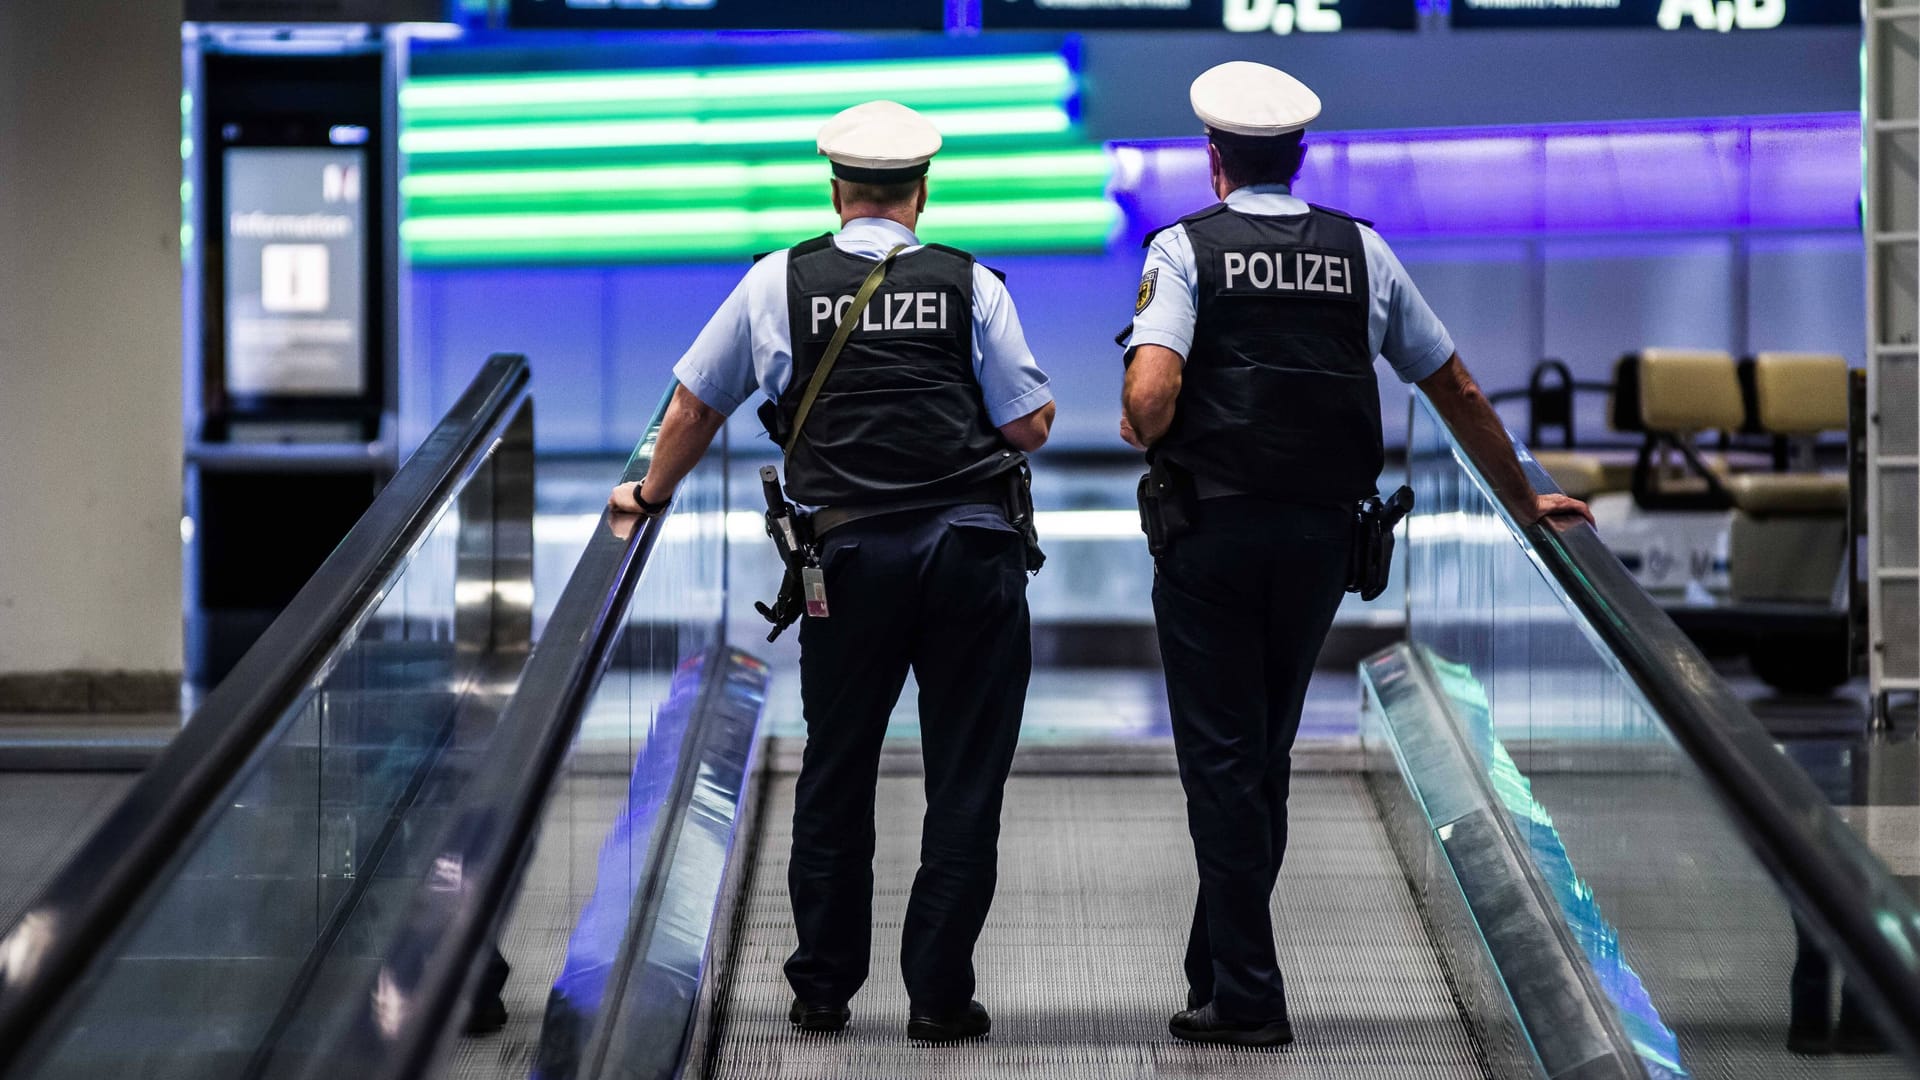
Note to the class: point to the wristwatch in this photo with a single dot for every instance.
(648, 509)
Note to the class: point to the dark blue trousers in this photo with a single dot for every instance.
(941, 593)
(1243, 604)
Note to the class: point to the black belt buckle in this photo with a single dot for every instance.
(1373, 525)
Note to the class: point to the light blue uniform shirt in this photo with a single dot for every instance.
(1400, 325)
(748, 344)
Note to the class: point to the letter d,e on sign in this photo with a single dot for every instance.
(1280, 16)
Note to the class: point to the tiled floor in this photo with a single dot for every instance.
(43, 818)
(1871, 776)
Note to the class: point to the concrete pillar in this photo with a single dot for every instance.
(90, 413)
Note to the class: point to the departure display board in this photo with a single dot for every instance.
(299, 11)
(1720, 15)
(295, 267)
(730, 14)
(1237, 16)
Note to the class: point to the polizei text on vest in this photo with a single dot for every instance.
(1288, 271)
(887, 311)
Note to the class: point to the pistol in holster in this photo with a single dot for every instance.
(1166, 504)
(1373, 525)
(792, 535)
(1019, 510)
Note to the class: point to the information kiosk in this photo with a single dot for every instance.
(292, 323)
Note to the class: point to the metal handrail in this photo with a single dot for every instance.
(73, 920)
(1833, 881)
(485, 851)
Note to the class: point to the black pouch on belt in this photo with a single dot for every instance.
(1166, 504)
(1373, 525)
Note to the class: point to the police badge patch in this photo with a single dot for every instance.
(1147, 283)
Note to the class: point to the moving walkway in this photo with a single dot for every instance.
(1562, 847)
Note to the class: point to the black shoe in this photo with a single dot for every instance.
(487, 1017)
(968, 1023)
(1807, 1041)
(1856, 1035)
(1808, 1029)
(1203, 1025)
(1195, 999)
(812, 1017)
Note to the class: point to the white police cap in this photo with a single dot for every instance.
(1245, 98)
(880, 142)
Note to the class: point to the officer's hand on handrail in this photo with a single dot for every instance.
(1546, 506)
(622, 524)
(625, 499)
(630, 499)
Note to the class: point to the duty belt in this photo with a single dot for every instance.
(828, 518)
(1205, 488)
(1208, 488)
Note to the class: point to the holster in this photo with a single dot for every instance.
(1372, 557)
(1166, 504)
(1019, 509)
(792, 535)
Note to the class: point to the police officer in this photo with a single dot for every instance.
(907, 452)
(1250, 370)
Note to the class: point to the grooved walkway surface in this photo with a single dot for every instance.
(1080, 961)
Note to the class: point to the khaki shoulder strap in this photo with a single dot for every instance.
(840, 334)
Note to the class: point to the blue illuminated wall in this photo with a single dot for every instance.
(1579, 241)
(1136, 83)
(1529, 242)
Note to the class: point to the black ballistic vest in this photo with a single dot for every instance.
(1279, 396)
(900, 416)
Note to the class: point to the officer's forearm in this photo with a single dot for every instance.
(685, 433)
(1029, 433)
(1152, 388)
(1467, 410)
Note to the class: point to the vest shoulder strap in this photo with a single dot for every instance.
(806, 247)
(839, 341)
(953, 251)
(968, 257)
(1340, 214)
(1198, 215)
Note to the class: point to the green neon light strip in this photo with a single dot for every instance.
(753, 131)
(663, 165)
(966, 81)
(1080, 171)
(1025, 225)
(1038, 213)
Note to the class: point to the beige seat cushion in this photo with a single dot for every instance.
(1800, 393)
(1689, 390)
(1584, 475)
(1723, 462)
(1789, 493)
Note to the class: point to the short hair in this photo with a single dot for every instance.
(1259, 159)
(880, 194)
